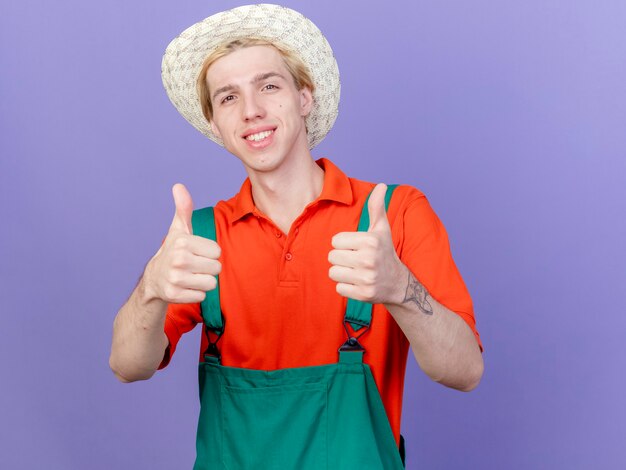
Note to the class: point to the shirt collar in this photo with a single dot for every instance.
(336, 188)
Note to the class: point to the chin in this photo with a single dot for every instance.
(261, 163)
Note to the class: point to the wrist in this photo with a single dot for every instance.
(147, 296)
(150, 309)
(399, 282)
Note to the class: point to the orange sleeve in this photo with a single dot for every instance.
(425, 250)
(179, 319)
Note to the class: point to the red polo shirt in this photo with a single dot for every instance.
(282, 309)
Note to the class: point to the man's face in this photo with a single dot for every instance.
(257, 110)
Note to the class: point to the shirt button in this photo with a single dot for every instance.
(288, 256)
(278, 234)
(297, 230)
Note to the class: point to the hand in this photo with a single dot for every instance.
(186, 266)
(365, 264)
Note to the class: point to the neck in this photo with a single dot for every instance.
(283, 194)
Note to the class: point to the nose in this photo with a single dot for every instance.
(252, 107)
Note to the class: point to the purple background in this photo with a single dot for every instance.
(509, 115)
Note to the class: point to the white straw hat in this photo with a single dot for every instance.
(185, 55)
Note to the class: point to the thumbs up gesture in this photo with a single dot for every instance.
(186, 266)
(365, 264)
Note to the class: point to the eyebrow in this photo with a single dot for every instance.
(257, 78)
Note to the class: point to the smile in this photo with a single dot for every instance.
(259, 136)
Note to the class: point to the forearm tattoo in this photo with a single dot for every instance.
(416, 292)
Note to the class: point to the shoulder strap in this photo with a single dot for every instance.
(358, 313)
(203, 223)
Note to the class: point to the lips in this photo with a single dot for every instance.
(259, 135)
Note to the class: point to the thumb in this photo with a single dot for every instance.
(184, 208)
(376, 209)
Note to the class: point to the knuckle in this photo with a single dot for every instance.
(179, 260)
(170, 292)
(367, 262)
(369, 292)
(181, 243)
(369, 279)
(174, 277)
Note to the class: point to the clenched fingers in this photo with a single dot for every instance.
(201, 282)
(354, 241)
(176, 295)
(359, 277)
(196, 264)
(355, 292)
(349, 258)
(199, 246)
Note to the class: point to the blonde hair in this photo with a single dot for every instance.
(298, 70)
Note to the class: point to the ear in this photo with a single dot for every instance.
(215, 130)
(306, 101)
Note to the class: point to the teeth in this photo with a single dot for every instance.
(259, 136)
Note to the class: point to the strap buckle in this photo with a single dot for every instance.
(352, 343)
(211, 349)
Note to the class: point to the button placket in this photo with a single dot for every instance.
(290, 269)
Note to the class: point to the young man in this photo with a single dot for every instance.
(275, 393)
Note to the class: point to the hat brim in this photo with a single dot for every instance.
(185, 55)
